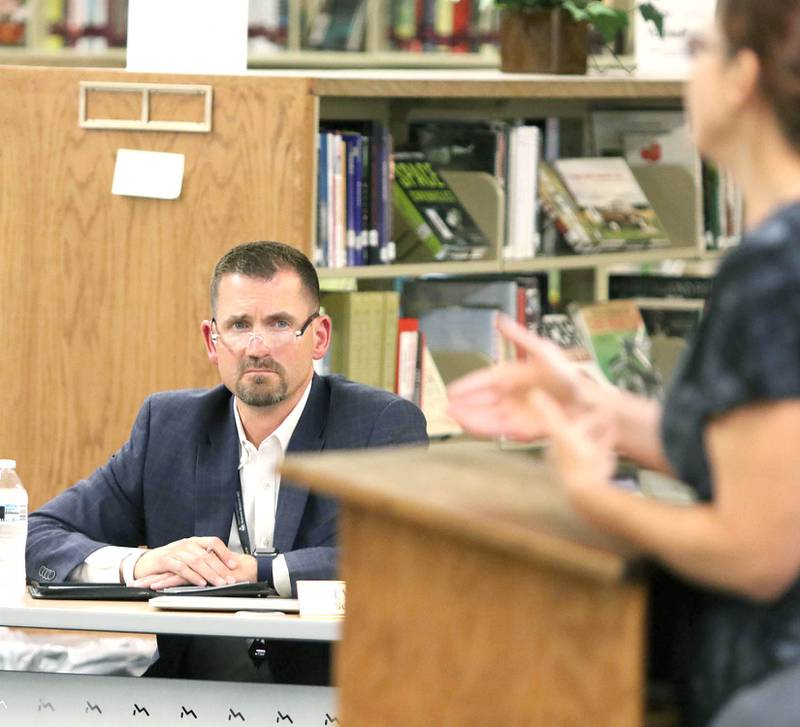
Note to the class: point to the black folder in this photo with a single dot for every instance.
(120, 592)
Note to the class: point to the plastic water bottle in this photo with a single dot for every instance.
(13, 532)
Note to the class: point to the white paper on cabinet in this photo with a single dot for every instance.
(154, 174)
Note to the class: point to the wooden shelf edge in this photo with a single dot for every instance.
(456, 83)
(111, 58)
(412, 270)
(542, 264)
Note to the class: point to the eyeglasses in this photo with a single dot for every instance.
(278, 333)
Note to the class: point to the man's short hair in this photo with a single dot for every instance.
(263, 260)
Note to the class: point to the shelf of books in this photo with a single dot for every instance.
(282, 33)
(470, 195)
(513, 174)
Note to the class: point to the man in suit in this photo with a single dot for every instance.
(197, 481)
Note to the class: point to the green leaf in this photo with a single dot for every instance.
(654, 16)
(606, 21)
(579, 14)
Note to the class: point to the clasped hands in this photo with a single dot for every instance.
(197, 561)
(542, 395)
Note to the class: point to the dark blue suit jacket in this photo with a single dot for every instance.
(177, 475)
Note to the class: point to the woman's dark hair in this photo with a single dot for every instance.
(771, 29)
(263, 260)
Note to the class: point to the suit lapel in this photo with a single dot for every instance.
(308, 436)
(217, 476)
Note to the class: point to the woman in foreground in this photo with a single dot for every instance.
(730, 426)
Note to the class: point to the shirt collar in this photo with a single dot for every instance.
(283, 432)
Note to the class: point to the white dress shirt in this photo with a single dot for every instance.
(260, 481)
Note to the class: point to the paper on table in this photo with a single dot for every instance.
(224, 603)
(187, 36)
(154, 174)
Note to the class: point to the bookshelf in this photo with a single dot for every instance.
(282, 35)
(396, 97)
(130, 313)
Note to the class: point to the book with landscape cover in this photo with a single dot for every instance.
(436, 224)
(671, 324)
(615, 334)
(560, 329)
(671, 305)
(659, 149)
(603, 206)
(562, 210)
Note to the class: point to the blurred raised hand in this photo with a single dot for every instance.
(581, 449)
(499, 400)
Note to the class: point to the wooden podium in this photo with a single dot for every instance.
(474, 595)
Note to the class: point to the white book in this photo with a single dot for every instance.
(77, 13)
(271, 14)
(407, 349)
(98, 13)
(338, 202)
(522, 239)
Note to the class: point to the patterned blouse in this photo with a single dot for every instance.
(746, 350)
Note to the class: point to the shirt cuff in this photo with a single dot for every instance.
(103, 565)
(280, 577)
(129, 564)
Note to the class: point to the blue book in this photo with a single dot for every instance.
(385, 241)
(365, 198)
(323, 201)
(375, 199)
(352, 145)
(358, 203)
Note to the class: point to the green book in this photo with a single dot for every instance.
(616, 336)
(432, 222)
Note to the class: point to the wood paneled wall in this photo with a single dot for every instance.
(101, 296)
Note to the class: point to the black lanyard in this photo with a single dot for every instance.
(241, 527)
(241, 523)
(258, 649)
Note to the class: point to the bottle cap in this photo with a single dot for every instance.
(8, 464)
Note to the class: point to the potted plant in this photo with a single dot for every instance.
(551, 36)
